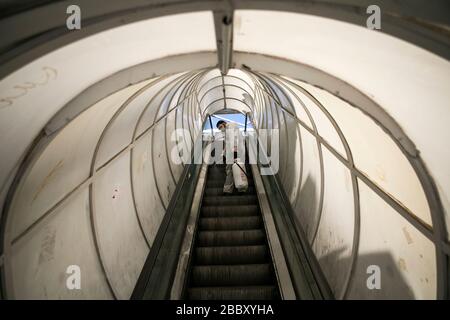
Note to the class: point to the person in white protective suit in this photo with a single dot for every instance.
(235, 172)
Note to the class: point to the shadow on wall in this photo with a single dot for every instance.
(393, 285)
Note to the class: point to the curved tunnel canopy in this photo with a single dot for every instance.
(87, 168)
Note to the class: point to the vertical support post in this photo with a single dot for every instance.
(223, 21)
(210, 123)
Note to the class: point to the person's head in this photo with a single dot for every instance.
(221, 125)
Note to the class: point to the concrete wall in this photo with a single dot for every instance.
(324, 144)
(86, 131)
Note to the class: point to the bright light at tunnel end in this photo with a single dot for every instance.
(220, 149)
(115, 185)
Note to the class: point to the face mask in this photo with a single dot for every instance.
(222, 129)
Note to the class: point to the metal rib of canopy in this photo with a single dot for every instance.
(92, 141)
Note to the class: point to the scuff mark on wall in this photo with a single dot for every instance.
(408, 237)
(47, 245)
(402, 264)
(47, 179)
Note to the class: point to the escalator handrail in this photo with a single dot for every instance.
(302, 258)
(155, 280)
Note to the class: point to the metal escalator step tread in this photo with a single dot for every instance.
(231, 223)
(230, 238)
(232, 275)
(222, 177)
(229, 200)
(229, 211)
(218, 191)
(233, 293)
(230, 258)
(214, 176)
(231, 255)
(217, 166)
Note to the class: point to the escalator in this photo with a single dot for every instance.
(231, 257)
(212, 246)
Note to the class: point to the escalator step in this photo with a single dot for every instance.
(233, 293)
(231, 255)
(217, 166)
(234, 275)
(230, 238)
(230, 200)
(216, 176)
(217, 191)
(230, 211)
(231, 258)
(233, 223)
(210, 183)
(220, 175)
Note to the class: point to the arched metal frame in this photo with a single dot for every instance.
(437, 235)
(94, 170)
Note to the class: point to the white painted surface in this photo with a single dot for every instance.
(402, 78)
(148, 204)
(120, 132)
(375, 154)
(39, 260)
(308, 197)
(153, 100)
(121, 242)
(406, 258)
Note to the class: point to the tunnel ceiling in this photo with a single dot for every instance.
(318, 76)
(327, 147)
